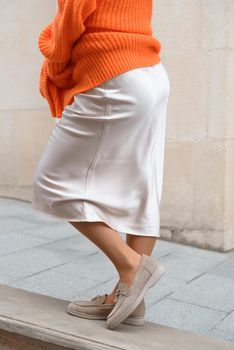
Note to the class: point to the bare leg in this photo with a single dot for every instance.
(141, 244)
(124, 258)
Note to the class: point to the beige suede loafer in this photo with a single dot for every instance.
(147, 275)
(95, 309)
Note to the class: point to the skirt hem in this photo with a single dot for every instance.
(118, 227)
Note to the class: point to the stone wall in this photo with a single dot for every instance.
(198, 198)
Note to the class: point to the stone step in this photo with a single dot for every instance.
(33, 321)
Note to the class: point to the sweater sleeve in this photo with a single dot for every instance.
(57, 40)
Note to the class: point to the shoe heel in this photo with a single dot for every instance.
(157, 274)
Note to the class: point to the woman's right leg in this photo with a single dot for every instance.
(141, 244)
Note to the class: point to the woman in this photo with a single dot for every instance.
(102, 168)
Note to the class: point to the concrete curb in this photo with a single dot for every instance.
(26, 317)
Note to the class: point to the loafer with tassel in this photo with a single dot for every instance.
(148, 273)
(95, 309)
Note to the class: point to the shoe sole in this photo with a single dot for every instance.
(154, 278)
(133, 321)
(136, 321)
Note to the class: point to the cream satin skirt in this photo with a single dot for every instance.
(104, 159)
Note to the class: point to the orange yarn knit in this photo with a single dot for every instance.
(90, 41)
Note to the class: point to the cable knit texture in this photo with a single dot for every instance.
(91, 41)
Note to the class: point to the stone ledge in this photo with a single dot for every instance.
(33, 321)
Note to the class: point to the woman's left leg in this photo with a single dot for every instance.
(124, 258)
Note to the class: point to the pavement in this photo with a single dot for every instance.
(46, 255)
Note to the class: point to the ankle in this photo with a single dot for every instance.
(129, 268)
(110, 299)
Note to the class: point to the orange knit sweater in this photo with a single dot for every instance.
(91, 41)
